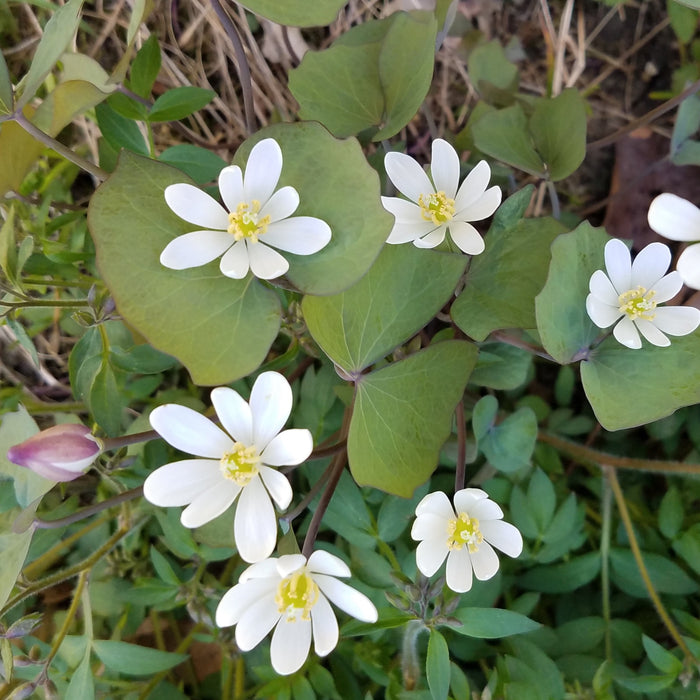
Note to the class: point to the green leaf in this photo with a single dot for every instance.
(83, 68)
(128, 107)
(666, 577)
(558, 128)
(403, 415)
(687, 122)
(58, 33)
(141, 359)
(484, 416)
(64, 103)
(406, 68)
(695, 4)
(437, 666)
(502, 282)
(82, 685)
(120, 132)
(402, 291)
(199, 163)
(562, 578)
(627, 387)
(501, 366)
(219, 328)
(6, 96)
(179, 103)
(687, 546)
(504, 135)
(562, 321)
(647, 684)
(145, 67)
(296, 13)
(105, 400)
(492, 74)
(492, 623)
(359, 223)
(671, 513)
(684, 20)
(542, 499)
(135, 660)
(663, 659)
(688, 153)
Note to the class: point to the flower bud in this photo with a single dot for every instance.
(61, 453)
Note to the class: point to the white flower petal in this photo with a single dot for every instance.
(436, 503)
(301, 235)
(195, 249)
(667, 287)
(234, 414)
(210, 504)
(465, 499)
(347, 598)
(650, 265)
(235, 263)
(179, 483)
(282, 204)
(603, 315)
(290, 447)
(189, 431)
(265, 262)
(290, 645)
(196, 207)
(430, 554)
(321, 562)
(483, 207)
(262, 171)
(429, 526)
(408, 177)
(404, 211)
(432, 239)
(231, 187)
(255, 524)
(602, 289)
(486, 509)
(444, 167)
(325, 627)
(271, 403)
(257, 621)
(277, 486)
(618, 264)
(484, 562)
(677, 320)
(652, 333)
(466, 237)
(267, 568)
(689, 266)
(474, 186)
(675, 218)
(458, 573)
(503, 536)
(626, 333)
(408, 232)
(289, 563)
(238, 599)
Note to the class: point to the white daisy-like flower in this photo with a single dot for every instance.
(238, 465)
(256, 220)
(630, 293)
(436, 205)
(465, 535)
(678, 219)
(291, 595)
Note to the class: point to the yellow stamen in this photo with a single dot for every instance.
(437, 207)
(464, 530)
(240, 464)
(638, 303)
(245, 223)
(296, 595)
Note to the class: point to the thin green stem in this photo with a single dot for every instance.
(131, 439)
(50, 303)
(410, 668)
(554, 199)
(605, 562)
(611, 476)
(57, 146)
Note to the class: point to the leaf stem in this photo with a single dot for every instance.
(460, 467)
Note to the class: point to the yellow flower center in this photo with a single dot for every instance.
(296, 595)
(437, 207)
(464, 530)
(240, 464)
(638, 303)
(245, 222)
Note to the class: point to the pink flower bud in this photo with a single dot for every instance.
(61, 453)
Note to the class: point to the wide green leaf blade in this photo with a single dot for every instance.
(403, 415)
(335, 183)
(6, 96)
(179, 103)
(564, 326)
(219, 328)
(133, 659)
(492, 623)
(402, 291)
(296, 13)
(437, 666)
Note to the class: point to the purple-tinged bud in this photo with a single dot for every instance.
(61, 453)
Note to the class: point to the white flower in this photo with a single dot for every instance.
(257, 218)
(464, 534)
(291, 595)
(679, 220)
(631, 292)
(438, 206)
(238, 464)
